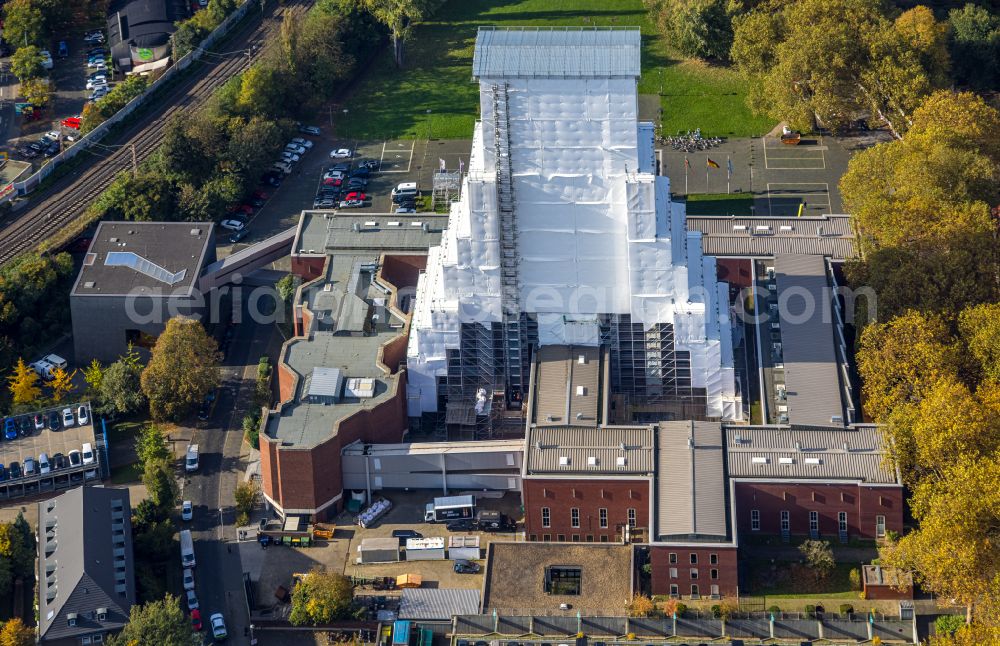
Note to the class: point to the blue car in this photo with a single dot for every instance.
(63, 49)
(10, 429)
(3, 473)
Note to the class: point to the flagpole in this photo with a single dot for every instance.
(707, 167)
(729, 172)
(687, 167)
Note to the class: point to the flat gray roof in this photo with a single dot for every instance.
(567, 385)
(829, 236)
(768, 452)
(322, 232)
(811, 371)
(573, 450)
(354, 355)
(691, 481)
(559, 52)
(437, 603)
(145, 258)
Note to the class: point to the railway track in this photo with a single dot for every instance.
(68, 198)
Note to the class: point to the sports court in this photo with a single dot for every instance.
(809, 154)
(784, 199)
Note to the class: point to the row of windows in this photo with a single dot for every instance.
(590, 538)
(693, 558)
(574, 517)
(814, 522)
(695, 590)
(693, 573)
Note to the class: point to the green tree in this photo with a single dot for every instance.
(975, 46)
(158, 622)
(321, 597)
(697, 28)
(927, 37)
(819, 558)
(286, 286)
(37, 92)
(398, 16)
(121, 387)
(158, 476)
(26, 63)
(15, 633)
(151, 445)
(24, 386)
(184, 367)
(23, 24)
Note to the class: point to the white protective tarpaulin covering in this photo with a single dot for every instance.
(597, 231)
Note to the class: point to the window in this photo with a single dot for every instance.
(674, 590)
(814, 522)
(561, 538)
(673, 573)
(546, 537)
(713, 559)
(574, 517)
(714, 574)
(694, 558)
(880, 527)
(546, 518)
(694, 590)
(673, 557)
(842, 521)
(755, 520)
(694, 573)
(631, 517)
(99, 638)
(590, 538)
(562, 580)
(575, 538)
(604, 538)
(603, 512)
(532, 537)
(785, 523)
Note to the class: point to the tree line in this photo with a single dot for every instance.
(833, 62)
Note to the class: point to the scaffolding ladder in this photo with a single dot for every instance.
(514, 345)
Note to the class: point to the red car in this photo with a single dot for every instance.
(332, 181)
(71, 122)
(354, 195)
(260, 195)
(196, 619)
(245, 208)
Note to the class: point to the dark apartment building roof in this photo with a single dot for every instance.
(145, 259)
(86, 573)
(146, 23)
(691, 481)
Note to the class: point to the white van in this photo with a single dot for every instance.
(88, 454)
(187, 549)
(56, 361)
(191, 459)
(43, 368)
(405, 187)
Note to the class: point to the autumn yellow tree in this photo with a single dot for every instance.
(979, 326)
(183, 368)
(15, 633)
(61, 384)
(24, 387)
(640, 606)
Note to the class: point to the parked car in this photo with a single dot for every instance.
(290, 156)
(304, 143)
(24, 425)
(74, 458)
(271, 178)
(67, 418)
(44, 466)
(71, 122)
(461, 525)
(52, 149)
(47, 59)
(239, 235)
(10, 429)
(30, 467)
(187, 511)
(295, 148)
(310, 130)
(405, 210)
(218, 627)
(63, 49)
(39, 420)
(196, 619)
(3, 473)
(192, 600)
(233, 224)
(59, 461)
(463, 566)
(14, 470)
(97, 63)
(206, 406)
(370, 164)
(98, 94)
(324, 203)
(99, 82)
(282, 167)
(93, 37)
(87, 453)
(343, 167)
(404, 534)
(341, 153)
(188, 579)
(82, 416)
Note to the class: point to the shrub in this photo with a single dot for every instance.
(680, 609)
(716, 611)
(855, 578)
(948, 624)
(640, 606)
(251, 430)
(846, 609)
(774, 610)
(810, 611)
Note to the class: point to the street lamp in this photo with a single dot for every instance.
(429, 124)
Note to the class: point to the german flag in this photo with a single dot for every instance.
(711, 164)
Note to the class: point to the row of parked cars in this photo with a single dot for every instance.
(343, 185)
(45, 466)
(98, 76)
(25, 425)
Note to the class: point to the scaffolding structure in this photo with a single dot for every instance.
(446, 187)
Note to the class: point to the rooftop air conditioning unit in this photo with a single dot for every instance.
(564, 460)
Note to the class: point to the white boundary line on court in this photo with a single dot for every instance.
(826, 192)
(409, 162)
(820, 147)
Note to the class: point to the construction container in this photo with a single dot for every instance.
(463, 547)
(425, 549)
(378, 550)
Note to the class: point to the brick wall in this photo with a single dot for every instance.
(560, 496)
(308, 267)
(703, 574)
(887, 593)
(402, 271)
(286, 382)
(861, 504)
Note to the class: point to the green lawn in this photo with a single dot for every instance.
(719, 204)
(795, 581)
(435, 97)
(126, 474)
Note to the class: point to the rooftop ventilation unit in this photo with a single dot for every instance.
(591, 461)
(581, 391)
(564, 460)
(798, 446)
(813, 461)
(760, 459)
(786, 460)
(621, 461)
(582, 359)
(847, 447)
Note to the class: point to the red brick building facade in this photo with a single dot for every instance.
(686, 571)
(584, 510)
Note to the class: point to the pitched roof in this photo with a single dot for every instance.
(691, 480)
(574, 52)
(572, 450)
(84, 562)
(833, 453)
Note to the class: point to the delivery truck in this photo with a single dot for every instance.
(450, 508)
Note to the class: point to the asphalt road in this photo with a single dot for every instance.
(218, 579)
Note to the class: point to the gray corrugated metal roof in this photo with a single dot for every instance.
(691, 480)
(437, 603)
(830, 236)
(546, 445)
(559, 377)
(76, 562)
(574, 52)
(325, 382)
(811, 371)
(862, 459)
